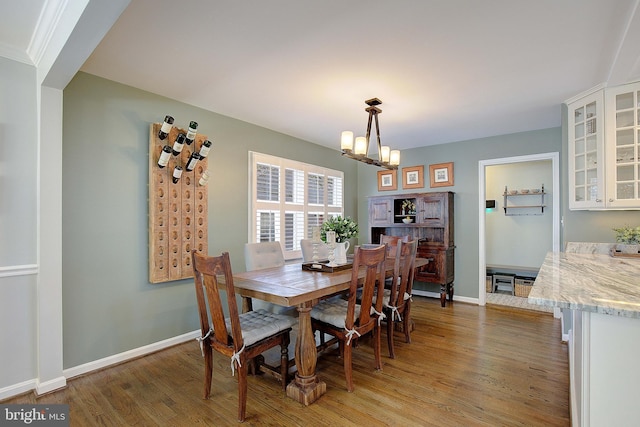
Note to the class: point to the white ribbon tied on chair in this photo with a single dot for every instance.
(236, 358)
(394, 313)
(201, 339)
(350, 334)
(381, 316)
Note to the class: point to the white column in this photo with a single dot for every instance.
(49, 284)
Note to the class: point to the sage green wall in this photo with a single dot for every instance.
(109, 305)
(465, 155)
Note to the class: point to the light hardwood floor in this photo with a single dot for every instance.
(467, 366)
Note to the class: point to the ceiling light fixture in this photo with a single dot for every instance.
(387, 158)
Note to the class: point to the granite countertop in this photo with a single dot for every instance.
(589, 282)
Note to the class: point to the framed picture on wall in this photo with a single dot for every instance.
(441, 174)
(387, 180)
(413, 177)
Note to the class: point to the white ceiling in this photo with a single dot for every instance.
(446, 70)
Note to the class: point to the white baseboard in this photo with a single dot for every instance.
(128, 355)
(437, 296)
(16, 389)
(49, 386)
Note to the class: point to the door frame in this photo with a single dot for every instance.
(555, 200)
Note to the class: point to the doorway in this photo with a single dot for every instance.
(553, 199)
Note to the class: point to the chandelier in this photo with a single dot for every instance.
(387, 158)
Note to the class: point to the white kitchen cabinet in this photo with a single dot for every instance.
(603, 369)
(622, 118)
(604, 148)
(586, 152)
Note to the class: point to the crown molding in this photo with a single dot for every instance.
(15, 54)
(594, 89)
(47, 22)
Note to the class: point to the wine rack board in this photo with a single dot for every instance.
(177, 212)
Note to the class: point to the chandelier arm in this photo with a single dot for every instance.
(368, 135)
(378, 135)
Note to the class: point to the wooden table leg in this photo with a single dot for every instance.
(247, 304)
(306, 388)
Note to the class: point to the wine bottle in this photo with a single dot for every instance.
(191, 133)
(166, 127)
(193, 160)
(164, 156)
(177, 146)
(204, 150)
(177, 173)
(204, 178)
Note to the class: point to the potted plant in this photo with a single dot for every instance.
(344, 229)
(628, 239)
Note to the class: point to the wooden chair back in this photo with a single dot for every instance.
(397, 307)
(392, 243)
(373, 261)
(207, 270)
(403, 272)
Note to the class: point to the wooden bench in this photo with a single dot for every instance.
(512, 269)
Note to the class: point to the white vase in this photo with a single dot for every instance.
(340, 252)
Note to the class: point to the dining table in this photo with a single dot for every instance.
(291, 285)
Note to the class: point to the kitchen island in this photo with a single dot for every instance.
(601, 293)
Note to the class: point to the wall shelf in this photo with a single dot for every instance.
(524, 202)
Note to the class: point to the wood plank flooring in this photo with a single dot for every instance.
(467, 366)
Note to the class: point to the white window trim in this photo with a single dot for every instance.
(282, 206)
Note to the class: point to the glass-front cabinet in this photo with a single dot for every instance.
(604, 148)
(586, 152)
(623, 146)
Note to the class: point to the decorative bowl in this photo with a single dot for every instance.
(407, 220)
(512, 192)
(535, 190)
(524, 191)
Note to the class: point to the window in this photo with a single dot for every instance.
(288, 198)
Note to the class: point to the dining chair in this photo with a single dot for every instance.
(258, 256)
(396, 298)
(392, 242)
(307, 250)
(345, 319)
(241, 337)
